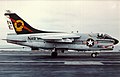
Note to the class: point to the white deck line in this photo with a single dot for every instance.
(83, 63)
(63, 62)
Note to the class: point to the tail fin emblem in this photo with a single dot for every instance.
(19, 25)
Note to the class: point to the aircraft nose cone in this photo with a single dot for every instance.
(115, 41)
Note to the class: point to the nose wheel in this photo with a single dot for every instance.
(94, 55)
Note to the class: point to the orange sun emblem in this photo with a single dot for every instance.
(19, 25)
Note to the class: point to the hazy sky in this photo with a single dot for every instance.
(85, 16)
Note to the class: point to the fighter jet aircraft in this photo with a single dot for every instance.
(56, 41)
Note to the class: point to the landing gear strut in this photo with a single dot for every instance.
(94, 54)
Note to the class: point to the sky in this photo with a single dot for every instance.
(85, 16)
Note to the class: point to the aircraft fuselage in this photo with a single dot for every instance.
(80, 44)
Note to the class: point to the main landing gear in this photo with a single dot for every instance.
(54, 54)
(94, 54)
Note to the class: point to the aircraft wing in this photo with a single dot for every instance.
(11, 47)
(59, 38)
(14, 40)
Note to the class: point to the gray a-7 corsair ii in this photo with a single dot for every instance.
(56, 41)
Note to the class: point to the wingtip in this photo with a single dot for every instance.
(3, 39)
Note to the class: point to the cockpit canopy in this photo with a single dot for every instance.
(103, 36)
(106, 36)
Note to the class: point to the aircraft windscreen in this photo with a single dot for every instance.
(106, 36)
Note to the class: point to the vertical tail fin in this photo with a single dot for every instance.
(20, 26)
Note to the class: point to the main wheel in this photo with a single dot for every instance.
(94, 54)
(62, 51)
(54, 54)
